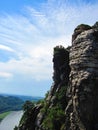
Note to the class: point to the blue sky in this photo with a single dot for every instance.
(29, 29)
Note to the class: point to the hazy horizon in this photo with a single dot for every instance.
(11, 94)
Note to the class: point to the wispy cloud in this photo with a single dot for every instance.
(2, 47)
(33, 34)
(5, 75)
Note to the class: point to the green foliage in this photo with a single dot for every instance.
(10, 103)
(61, 94)
(58, 49)
(3, 115)
(45, 103)
(41, 101)
(27, 108)
(61, 97)
(54, 119)
(45, 107)
(28, 105)
(83, 27)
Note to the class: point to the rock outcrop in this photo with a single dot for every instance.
(82, 109)
(55, 100)
(72, 102)
(49, 114)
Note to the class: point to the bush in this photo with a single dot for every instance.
(55, 116)
(59, 49)
(28, 106)
(83, 27)
(54, 119)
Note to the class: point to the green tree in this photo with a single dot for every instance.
(28, 105)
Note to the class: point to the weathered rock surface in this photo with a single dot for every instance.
(82, 109)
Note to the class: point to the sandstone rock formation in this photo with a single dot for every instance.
(72, 102)
(82, 109)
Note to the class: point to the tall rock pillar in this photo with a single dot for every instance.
(82, 109)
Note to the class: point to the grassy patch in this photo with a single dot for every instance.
(3, 115)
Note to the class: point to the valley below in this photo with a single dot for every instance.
(11, 120)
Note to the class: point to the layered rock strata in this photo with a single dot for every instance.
(82, 109)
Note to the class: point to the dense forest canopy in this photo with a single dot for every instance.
(9, 103)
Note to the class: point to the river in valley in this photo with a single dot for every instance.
(10, 121)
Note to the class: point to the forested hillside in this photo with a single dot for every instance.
(9, 103)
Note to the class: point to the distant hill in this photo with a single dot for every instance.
(14, 102)
(30, 98)
(10, 103)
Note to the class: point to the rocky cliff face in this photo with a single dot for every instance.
(82, 109)
(72, 102)
(55, 101)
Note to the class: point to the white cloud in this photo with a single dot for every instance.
(5, 75)
(2, 47)
(33, 35)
